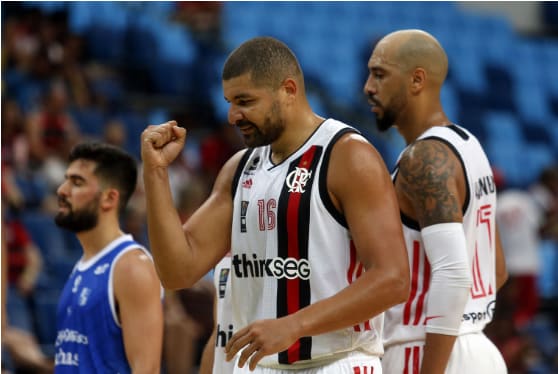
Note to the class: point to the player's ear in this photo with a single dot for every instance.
(418, 80)
(110, 199)
(290, 87)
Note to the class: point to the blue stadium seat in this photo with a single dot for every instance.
(502, 128)
(90, 121)
(532, 101)
(508, 159)
(536, 158)
(450, 101)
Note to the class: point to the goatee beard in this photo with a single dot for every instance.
(77, 222)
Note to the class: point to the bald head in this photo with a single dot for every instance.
(411, 49)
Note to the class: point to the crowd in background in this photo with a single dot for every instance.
(55, 96)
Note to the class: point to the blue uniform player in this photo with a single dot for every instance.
(110, 315)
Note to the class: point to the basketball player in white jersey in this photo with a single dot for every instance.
(214, 358)
(447, 198)
(309, 214)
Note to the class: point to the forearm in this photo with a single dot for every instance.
(450, 285)
(206, 364)
(166, 237)
(368, 296)
(437, 351)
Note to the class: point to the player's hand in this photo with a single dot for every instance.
(259, 339)
(161, 144)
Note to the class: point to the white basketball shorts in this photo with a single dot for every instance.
(354, 363)
(472, 354)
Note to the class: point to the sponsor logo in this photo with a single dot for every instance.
(485, 186)
(101, 269)
(277, 267)
(223, 336)
(297, 179)
(66, 358)
(223, 277)
(243, 210)
(429, 318)
(482, 315)
(70, 336)
(247, 183)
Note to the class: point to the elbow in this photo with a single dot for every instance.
(174, 283)
(399, 286)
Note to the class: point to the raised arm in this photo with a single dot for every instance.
(432, 182)
(360, 187)
(183, 254)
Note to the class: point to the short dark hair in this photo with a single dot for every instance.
(115, 167)
(269, 60)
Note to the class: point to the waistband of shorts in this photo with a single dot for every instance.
(319, 361)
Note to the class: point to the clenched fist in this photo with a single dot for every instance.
(160, 145)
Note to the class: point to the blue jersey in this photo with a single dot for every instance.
(89, 338)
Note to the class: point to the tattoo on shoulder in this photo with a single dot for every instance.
(425, 170)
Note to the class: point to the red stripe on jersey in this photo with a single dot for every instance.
(407, 356)
(293, 294)
(416, 360)
(356, 370)
(414, 283)
(294, 251)
(425, 287)
(352, 263)
(293, 352)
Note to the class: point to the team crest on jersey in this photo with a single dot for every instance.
(101, 269)
(297, 179)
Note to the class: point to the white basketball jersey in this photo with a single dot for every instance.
(406, 322)
(222, 281)
(291, 247)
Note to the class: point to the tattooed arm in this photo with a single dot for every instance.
(431, 189)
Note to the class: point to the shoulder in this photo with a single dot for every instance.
(352, 146)
(430, 159)
(430, 176)
(134, 267)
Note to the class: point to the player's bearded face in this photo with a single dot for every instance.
(272, 127)
(80, 220)
(387, 116)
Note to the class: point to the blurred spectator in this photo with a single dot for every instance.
(545, 191)
(204, 19)
(51, 133)
(188, 312)
(14, 152)
(519, 221)
(24, 265)
(217, 148)
(114, 133)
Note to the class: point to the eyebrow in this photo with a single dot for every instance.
(74, 177)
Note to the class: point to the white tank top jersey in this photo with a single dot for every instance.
(292, 248)
(222, 281)
(406, 322)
